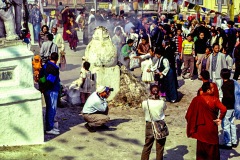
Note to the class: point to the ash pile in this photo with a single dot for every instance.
(132, 91)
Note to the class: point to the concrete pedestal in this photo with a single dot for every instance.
(20, 103)
(108, 76)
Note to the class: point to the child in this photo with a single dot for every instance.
(147, 77)
(229, 59)
(37, 65)
(84, 83)
(86, 87)
(202, 61)
(228, 100)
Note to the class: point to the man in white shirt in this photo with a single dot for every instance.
(58, 39)
(156, 108)
(95, 110)
(92, 11)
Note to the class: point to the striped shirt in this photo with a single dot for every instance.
(175, 39)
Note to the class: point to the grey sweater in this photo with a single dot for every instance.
(45, 49)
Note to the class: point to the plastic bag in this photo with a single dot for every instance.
(134, 62)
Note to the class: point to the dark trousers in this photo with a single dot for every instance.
(237, 71)
(179, 65)
(149, 140)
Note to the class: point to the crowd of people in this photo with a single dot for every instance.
(164, 50)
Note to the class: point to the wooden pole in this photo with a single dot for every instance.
(231, 9)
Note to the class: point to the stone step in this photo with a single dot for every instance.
(5, 43)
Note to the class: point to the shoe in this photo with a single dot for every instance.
(104, 126)
(90, 129)
(74, 49)
(52, 132)
(234, 145)
(222, 146)
(55, 129)
(173, 101)
(191, 79)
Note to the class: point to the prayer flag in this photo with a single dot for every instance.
(197, 8)
(191, 6)
(186, 4)
(204, 9)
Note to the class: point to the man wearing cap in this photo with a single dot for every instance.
(95, 110)
(92, 11)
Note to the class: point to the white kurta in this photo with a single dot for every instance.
(147, 76)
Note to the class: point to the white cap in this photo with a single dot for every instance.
(92, 10)
(101, 89)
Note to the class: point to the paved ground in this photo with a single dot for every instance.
(125, 138)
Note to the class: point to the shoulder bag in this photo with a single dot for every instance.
(159, 128)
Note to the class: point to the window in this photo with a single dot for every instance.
(199, 2)
(224, 2)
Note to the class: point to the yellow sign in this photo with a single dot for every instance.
(103, 5)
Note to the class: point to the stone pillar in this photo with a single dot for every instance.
(102, 54)
(20, 103)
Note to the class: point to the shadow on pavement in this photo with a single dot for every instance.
(71, 67)
(67, 117)
(180, 96)
(116, 122)
(177, 152)
(68, 158)
(228, 154)
(79, 48)
(181, 82)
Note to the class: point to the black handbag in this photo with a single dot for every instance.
(159, 128)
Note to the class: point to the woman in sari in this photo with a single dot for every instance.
(72, 29)
(65, 18)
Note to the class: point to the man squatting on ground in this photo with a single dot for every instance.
(95, 110)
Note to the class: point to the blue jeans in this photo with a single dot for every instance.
(229, 128)
(51, 98)
(36, 30)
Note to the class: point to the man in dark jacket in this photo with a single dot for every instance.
(231, 37)
(50, 92)
(156, 38)
(237, 62)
